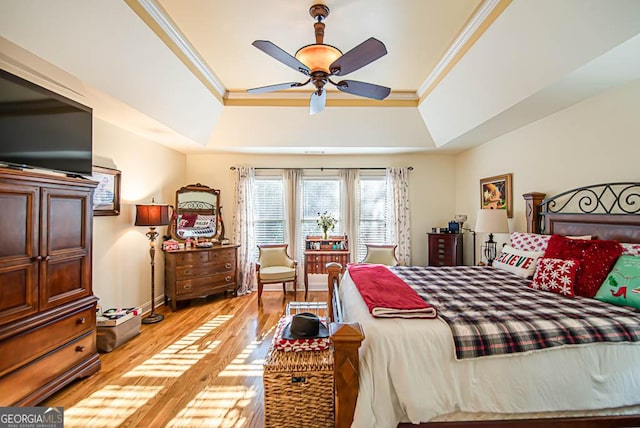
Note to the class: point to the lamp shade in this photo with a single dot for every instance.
(492, 221)
(318, 57)
(152, 215)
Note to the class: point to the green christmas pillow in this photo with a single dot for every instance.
(622, 285)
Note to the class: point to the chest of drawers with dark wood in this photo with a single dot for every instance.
(199, 272)
(445, 249)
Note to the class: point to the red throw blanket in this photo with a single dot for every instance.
(388, 296)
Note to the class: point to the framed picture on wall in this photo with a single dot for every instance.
(496, 193)
(106, 197)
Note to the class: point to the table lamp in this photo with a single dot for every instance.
(491, 221)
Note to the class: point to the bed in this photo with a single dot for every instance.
(380, 383)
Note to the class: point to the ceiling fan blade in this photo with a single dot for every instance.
(317, 102)
(363, 54)
(278, 87)
(363, 89)
(282, 56)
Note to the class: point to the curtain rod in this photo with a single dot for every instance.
(410, 168)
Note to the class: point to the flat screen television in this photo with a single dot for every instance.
(42, 129)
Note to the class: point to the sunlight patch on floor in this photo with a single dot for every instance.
(109, 407)
(182, 354)
(216, 406)
(242, 365)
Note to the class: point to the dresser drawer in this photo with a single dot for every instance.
(188, 272)
(198, 285)
(223, 256)
(192, 258)
(23, 348)
(20, 383)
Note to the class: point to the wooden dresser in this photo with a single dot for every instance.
(319, 251)
(199, 272)
(445, 249)
(47, 307)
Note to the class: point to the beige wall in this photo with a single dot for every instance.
(596, 141)
(431, 184)
(121, 263)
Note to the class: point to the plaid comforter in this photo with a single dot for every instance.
(492, 312)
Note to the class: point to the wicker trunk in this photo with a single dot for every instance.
(298, 389)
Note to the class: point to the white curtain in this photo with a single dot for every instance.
(243, 227)
(349, 214)
(292, 187)
(398, 187)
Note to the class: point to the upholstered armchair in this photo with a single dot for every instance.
(275, 266)
(382, 254)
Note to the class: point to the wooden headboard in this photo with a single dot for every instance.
(604, 211)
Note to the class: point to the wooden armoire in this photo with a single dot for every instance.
(47, 306)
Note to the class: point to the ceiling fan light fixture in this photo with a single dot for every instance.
(318, 57)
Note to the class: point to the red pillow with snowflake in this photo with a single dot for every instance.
(596, 258)
(556, 276)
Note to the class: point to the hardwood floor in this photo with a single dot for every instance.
(201, 366)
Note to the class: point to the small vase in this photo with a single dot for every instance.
(325, 234)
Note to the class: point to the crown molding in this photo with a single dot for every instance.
(301, 98)
(157, 19)
(484, 16)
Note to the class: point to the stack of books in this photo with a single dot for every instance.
(113, 317)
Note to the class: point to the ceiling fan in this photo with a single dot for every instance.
(320, 61)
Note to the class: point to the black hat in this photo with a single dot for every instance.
(305, 325)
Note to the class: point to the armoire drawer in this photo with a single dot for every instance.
(19, 383)
(28, 346)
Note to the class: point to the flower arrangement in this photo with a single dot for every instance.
(326, 221)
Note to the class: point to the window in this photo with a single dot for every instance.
(268, 217)
(318, 195)
(374, 211)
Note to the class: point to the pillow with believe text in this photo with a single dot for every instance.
(522, 263)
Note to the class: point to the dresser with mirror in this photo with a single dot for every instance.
(205, 262)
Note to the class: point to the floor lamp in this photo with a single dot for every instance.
(152, 215)
(491, 221)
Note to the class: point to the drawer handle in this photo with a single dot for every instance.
(81, 320)
(227, 278)
(47, 258)
(187, 286)
(80, 348)
(187, 272)
(227, 265)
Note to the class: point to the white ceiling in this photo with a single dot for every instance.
(461, 72)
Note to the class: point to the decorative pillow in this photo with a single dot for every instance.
(556, 275)
(529, 241)
(622, 285)
(596, 259)
(522, 263)
(187, 220)
(204, 221)
(630, 249)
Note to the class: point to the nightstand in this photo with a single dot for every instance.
(445, 249)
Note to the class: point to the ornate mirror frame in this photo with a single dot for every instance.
(197, 202)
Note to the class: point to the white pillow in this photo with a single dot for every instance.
(529, 241)
(522, 263)
(204, 221)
